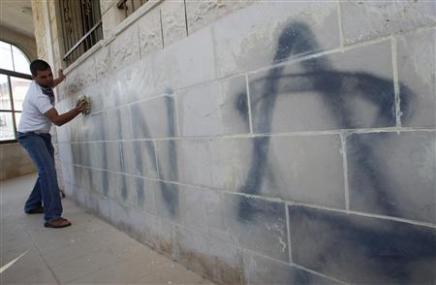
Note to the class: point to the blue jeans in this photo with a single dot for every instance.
(46, 189)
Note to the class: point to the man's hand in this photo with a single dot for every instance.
(60, 120)
(59, 79)
(81, 106)
(61, 75)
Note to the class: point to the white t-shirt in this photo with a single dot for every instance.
(35, 104)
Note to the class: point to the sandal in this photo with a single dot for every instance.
(37, 210)
(57, 223)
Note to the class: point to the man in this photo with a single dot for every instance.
(33, 134)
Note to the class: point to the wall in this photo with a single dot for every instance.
(14, 161)
(111, 16)
(259, 143)
(47, 32)
(23, 42)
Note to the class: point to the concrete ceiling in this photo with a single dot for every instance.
(17, 15)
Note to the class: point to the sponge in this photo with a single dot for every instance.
(87, 102)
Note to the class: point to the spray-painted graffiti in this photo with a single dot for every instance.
(412, 246)
(333, 87)
(409, 247)
(388, 251)
(169, 191)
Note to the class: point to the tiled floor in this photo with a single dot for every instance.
(89, 252)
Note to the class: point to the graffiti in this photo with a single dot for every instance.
(141, 129)
(399, 252)
(333, 87)
(169, 191)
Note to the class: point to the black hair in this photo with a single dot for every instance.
(38, 64)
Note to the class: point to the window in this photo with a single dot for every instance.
(14, 82)
(81, 27)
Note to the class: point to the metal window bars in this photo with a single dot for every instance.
(81, 26)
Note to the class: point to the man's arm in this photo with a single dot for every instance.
(59, 79)
(64, 118)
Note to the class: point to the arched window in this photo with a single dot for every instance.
(14, 81)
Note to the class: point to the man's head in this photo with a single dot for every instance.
(41, 73)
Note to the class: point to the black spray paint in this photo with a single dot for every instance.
(319, 76)
(169, 192)
(394, 251)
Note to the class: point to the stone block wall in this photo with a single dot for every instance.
(265, 142)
